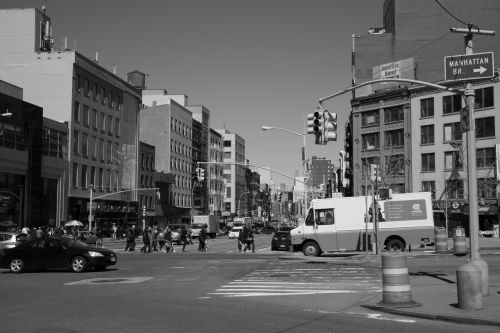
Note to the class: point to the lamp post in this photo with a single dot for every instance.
(304, 156)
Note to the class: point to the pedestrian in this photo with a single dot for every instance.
(161, 241)
(146, 239)
(249, 241)
(184, 237)
(154, 238)
(168, 240)
(202, 238)
(38, 233)
(114, 230)
(241, 240)
(131, 235)
(98, 234)
(189, 235)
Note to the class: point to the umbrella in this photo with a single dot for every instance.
(7, 224)
(73, 223)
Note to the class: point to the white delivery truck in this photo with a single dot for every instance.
(338, 224)
(200, 220)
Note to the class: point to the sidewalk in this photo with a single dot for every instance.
(437, 294)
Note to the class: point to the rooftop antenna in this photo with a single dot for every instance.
(44, 7)
(114, 69)
(97, 56)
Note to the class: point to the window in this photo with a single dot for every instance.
(428, 162)
(103, 152)
(394, 138)
(394, 114)
(101, 178)
(96, 93)
(452, 132)
(228, 192)
(370, 118)
(429, 186)
(103, 96)
(93, 91)
(109, 124)
(93, 147)
(108, 180)
(452, 160)
(227, 143)
(83, 182)
(452, 104)
(485, 157)
(85, 144)
(85, 115)
(486, 187)
(227, 155)
(484, 98)
(94, 118)
(77, 83)
(103, 122)
(108, 151)
(324, 216)
(427, 134)
(455, 188)
(92, 176)
(371, 141)
(76, 112)
(76, 143)
(485, 127)
(74, 176)
(395, 165)
(427, 107)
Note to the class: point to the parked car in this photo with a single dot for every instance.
(235, 232)
(48, 253)
(267, 230)
(281, 241)
(9, 240)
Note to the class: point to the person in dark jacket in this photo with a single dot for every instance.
(202, 238)
(184, 237)
(146, 239)
(241, 239)
(131, 235)
(249, 242)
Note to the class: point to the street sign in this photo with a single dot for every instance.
(468, 66)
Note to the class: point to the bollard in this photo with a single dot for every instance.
(396, 282)
(459, 242)
(441, 236)
(470, 296)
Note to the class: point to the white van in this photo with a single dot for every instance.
(338, 224)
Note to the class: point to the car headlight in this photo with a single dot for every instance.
(95, 254)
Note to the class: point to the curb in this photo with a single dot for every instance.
(424, 315)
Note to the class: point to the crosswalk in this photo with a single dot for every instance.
(283, 281)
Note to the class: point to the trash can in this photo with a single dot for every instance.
(459, 242)
(441, 240)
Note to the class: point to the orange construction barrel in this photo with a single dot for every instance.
(396, 289)
(441, 236)
(459, 242)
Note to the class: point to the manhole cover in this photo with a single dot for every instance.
(280, 275)
(315, 262)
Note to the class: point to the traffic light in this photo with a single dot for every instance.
(201, 176)
(464, 120)
(315, 126)
(195, 175)
(279, 196)
(143, 210)
(330, 126)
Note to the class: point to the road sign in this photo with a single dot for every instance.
(468, 66)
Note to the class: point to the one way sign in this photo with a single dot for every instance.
(468, 66)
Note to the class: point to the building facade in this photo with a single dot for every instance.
(234, 174)
(216, 183)
(100, 108)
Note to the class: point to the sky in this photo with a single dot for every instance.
(250, 62)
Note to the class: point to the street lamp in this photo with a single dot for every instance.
(304, 158)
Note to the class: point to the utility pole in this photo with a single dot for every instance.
(471, 163)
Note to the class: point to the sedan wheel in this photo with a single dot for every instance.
(16, 265)
(78, 264)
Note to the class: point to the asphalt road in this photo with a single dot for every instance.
(218, 291)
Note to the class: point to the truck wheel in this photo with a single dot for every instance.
(395, 245)
(311, 249)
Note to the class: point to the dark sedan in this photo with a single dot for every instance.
(281, 241)
(56, 253)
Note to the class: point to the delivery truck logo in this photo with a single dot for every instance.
(416, 207)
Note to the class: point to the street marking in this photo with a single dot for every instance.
(100, 281)
(376, 316)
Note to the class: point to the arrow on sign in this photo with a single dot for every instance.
(479, 70)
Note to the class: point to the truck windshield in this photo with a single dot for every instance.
(310, 217)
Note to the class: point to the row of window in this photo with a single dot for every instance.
(485, 128)
(54, 143)
(180, 148)
(98, 121)
(394, 138)
(177, 164)
(484, 98)
(93, 91)
(87, 147)
(102, 179)
(147, 162)
(486, 188)
(12, 136)
(391, 115)
(180, 128)
(485, 158)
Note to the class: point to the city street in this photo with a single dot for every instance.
(216, 291)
